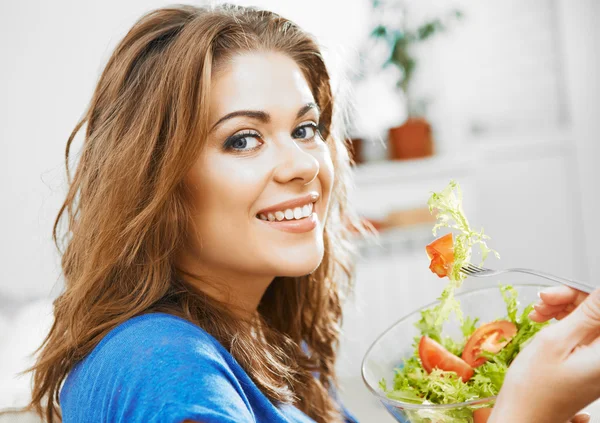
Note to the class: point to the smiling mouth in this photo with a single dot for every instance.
(296, 213)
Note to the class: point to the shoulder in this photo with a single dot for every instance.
(155, 344)
(156, 363)
(153, 327)
(158, 346)
(157, 336)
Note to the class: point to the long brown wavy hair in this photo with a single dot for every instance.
(126, 211)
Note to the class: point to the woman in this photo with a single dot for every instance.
(208, 228)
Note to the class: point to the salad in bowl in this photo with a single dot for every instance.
(446, 362)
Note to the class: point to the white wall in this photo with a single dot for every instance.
(581, 47)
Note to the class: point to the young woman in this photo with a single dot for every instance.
(207, 239)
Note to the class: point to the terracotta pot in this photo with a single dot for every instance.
(410, 217)
(356, 153)
(411, 140)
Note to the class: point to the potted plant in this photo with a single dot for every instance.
(412, 139)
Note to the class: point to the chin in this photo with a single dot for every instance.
(299, 263)
(299, 271)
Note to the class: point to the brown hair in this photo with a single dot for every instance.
(127, 213)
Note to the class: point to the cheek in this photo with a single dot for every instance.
(224, 193)
(326, 172)
(226, 186)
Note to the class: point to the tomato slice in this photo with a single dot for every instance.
(434, 355)
(481, 415)
(491, 337)
(441, 253)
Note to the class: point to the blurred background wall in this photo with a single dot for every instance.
(508, 92)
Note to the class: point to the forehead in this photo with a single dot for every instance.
(267, 81)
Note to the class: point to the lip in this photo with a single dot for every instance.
(311, 197)
(306, 224)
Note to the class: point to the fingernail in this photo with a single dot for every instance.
(551, 290)
(581, 418)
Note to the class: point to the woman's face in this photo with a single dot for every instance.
(261, 188)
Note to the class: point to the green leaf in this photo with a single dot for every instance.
(447, 204)
(509, 294)
(468, 326)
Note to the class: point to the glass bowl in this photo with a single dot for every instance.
(396, 343)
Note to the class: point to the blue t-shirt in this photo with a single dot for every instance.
(161, 368)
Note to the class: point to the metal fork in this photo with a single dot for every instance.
(479, 272)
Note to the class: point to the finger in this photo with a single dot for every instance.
(581, 418)
(538, 318)
(568, 309)
(557, 295)
(549, 310)
(581, 324)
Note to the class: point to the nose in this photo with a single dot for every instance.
(295, 164)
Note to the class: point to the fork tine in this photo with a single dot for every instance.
(471, 269)
(467, 269)
(475, 268)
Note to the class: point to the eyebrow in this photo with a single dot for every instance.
(264, 116)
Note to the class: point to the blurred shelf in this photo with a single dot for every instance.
(476, 151)
(395, 240)
(421, 169)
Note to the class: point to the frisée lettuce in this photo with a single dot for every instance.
(447, 204)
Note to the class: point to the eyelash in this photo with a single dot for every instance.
(228, 145)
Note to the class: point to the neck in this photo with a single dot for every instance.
(241, 292)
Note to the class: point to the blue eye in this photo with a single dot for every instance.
(247, 141)
(307, 131)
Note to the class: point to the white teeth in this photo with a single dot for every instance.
(306, 210)
(288, 214)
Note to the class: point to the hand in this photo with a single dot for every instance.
(558, 373)
(556, 302)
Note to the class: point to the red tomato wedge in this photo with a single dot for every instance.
(491, 337)
(434, 355)
(441, 253)
(481, 415)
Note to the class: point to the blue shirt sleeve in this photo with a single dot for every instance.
(160, 368)
(156, 370)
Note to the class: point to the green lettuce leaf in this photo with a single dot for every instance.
(447, 205)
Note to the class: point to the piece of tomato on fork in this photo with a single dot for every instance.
(441, 254)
